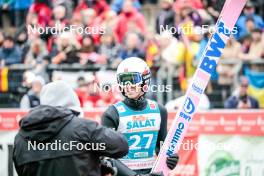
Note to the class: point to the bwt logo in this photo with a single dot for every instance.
(215, 48)
(189, 106)
(188, 109)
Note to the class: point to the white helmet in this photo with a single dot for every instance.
(133, 70)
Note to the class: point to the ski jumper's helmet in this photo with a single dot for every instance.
(133, 71)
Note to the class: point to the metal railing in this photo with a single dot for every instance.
(166, 75)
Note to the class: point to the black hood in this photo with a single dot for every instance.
(44, 122)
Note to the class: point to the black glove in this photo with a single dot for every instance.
(107, 166)
(172, 161)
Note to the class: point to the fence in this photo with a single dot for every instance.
(166, 75)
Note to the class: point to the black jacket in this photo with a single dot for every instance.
(46, 124)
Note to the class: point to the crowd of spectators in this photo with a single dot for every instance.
(87, 32)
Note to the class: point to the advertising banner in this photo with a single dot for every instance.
(231, 155)
(218, 142)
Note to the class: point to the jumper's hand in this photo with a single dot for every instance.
(172, 161)
(107, 168)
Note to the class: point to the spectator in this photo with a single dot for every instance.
(21, 9)
(67, 4)
(1, 38)
(227, 72)
(131, 47)
(255, 75)
(98, 6)
(129, 18)
(255, 47)
(81, 89)
(195, 4)
(165, 18)
(27, 79)
(92, 25)
(88, 17)
(172, 50)
(189, 16)
(88, 92)
(6, 14)
(41, 68)
(31, 99)
(245, 44)
(76, 19)
(80, 81)
(60, 20)
(118, 4)
(249, 13)
(231, 49)
(240, 98)
(66, 50)
(41, 9)
(31, 24)
(36, 52)
(10, 53)
(21, 38)
(108, 21)
(212, 9)
(88, 54)
(106, 96)
(92, 94)
(250, 25)
(109, 48)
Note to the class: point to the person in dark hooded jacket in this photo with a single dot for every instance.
(56, 122)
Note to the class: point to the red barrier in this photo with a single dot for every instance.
(243, 122)
(232, 123)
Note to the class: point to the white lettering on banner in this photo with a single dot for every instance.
(260, 121)
(226, 122)
(241, 121)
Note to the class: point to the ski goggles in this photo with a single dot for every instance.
(131, 78)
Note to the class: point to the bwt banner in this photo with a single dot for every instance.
(218, 143)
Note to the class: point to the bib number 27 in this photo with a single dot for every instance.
(141, 142)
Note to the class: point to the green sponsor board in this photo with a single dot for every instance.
(222, 163)
(231, 155)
